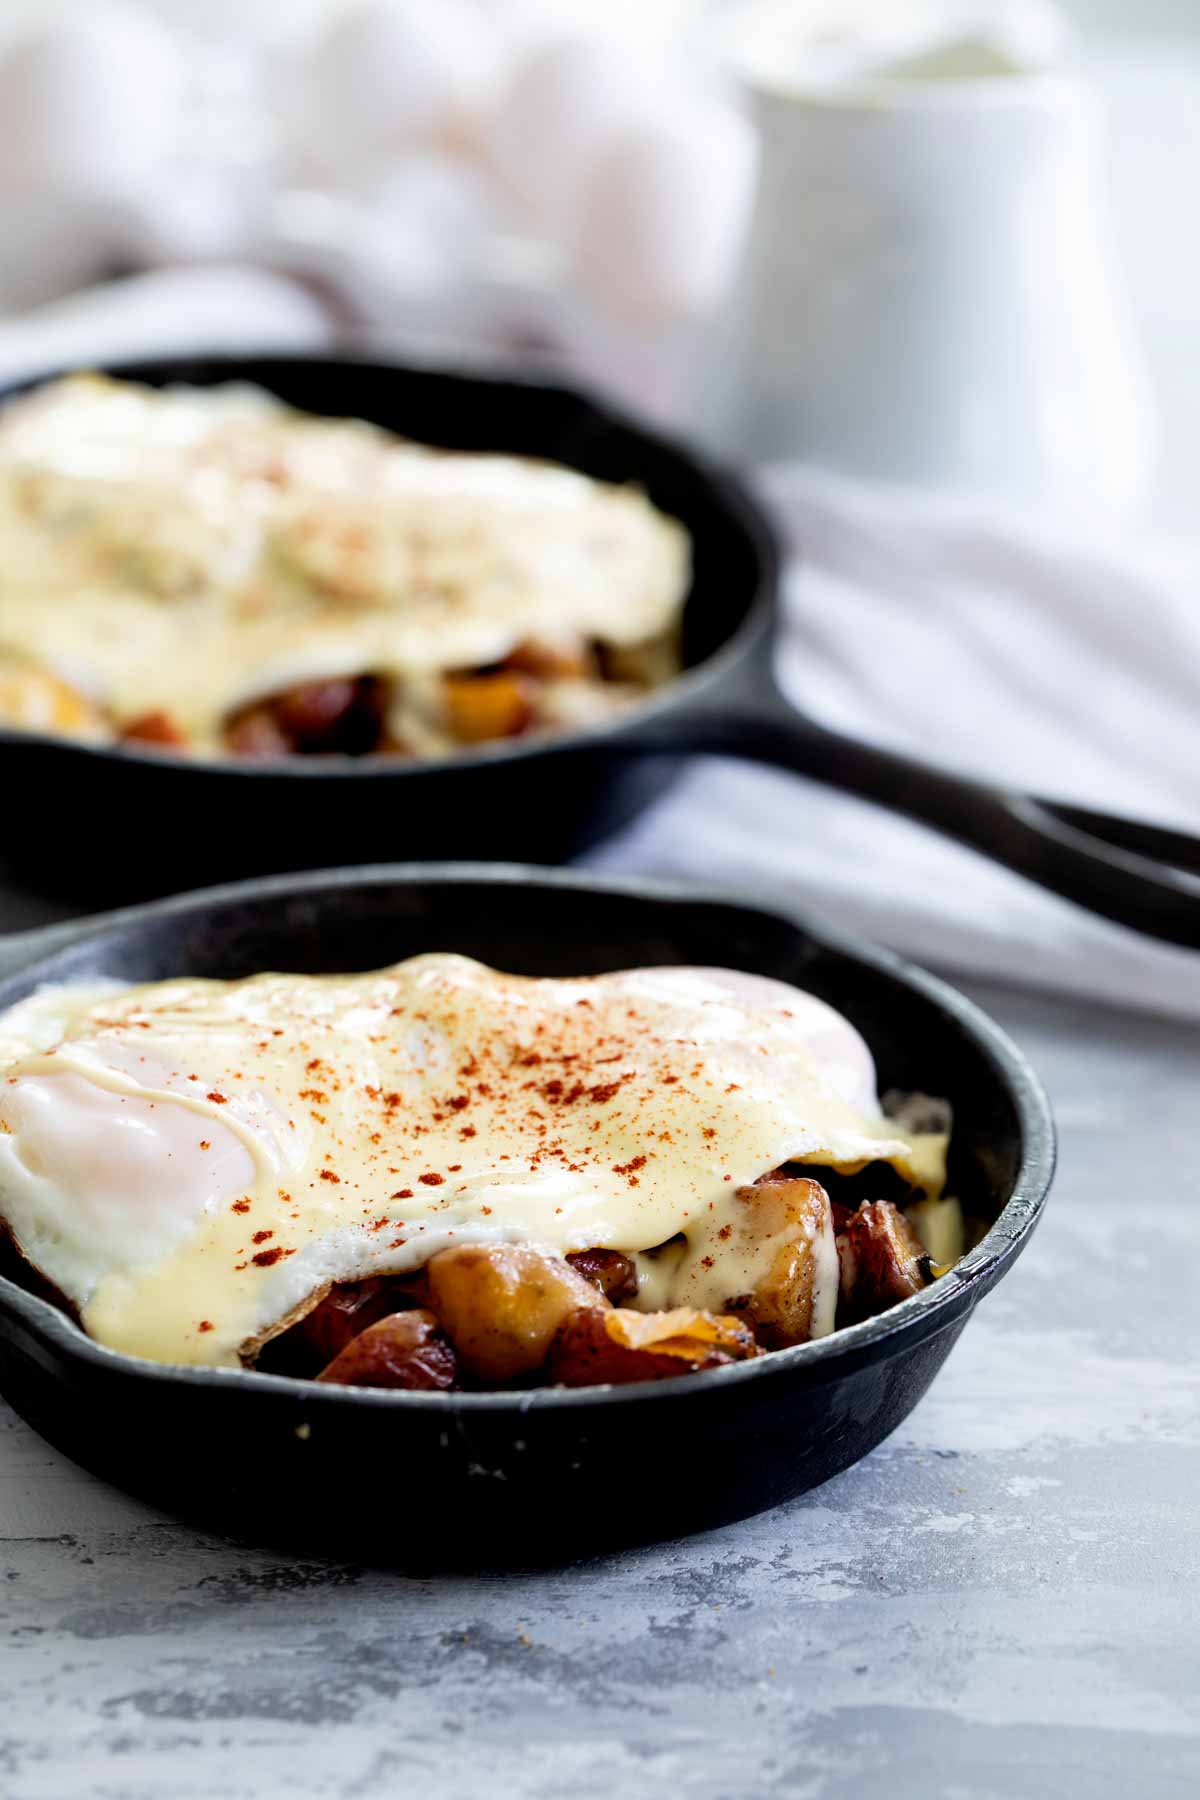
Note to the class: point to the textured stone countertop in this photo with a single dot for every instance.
(1004, 1600)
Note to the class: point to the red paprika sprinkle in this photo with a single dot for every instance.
(266, 1259)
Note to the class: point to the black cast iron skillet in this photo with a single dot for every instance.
(143, 823)
(487, 1478)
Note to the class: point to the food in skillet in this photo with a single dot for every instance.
(208, 572)
(437, 1175)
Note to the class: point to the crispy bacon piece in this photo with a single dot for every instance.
(622, 1346)
(608, 1271)
(404, 1350)
(154, 728)
(480, 708)
(882, 1260)
(501, 1305)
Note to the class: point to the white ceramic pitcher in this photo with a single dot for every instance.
(927, 294)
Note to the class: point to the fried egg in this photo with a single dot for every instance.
(189, 551)
(191, 1163)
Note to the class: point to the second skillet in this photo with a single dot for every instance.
(121, 822)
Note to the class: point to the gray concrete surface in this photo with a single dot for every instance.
(1004, 1600)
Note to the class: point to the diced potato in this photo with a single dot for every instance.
(501, 1305)
(623, 1345)
(341, 716)
(257, 732)
(939, 1225)
(35, 700)
(796, 1298)
(882, 1259)
(348, 1309)
(405, 1350)
(311, 712)
(613, 1274)
(480, 708)
(154, 728)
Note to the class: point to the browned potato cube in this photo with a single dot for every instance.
(613, 1274)
(405, 1350)
(501, 1305)
(343, 717)
(789, 1304)
(622, 1346)
(482, 707)
(882, 1259)
(154, 728)
(257, 732)
(308, 714)
(346, 1310)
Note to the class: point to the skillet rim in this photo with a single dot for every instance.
(688, 686)
(921, 1316)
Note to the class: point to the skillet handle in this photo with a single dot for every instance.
(1142, 876)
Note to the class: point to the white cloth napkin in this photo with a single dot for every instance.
(992, 646)
(167, 312)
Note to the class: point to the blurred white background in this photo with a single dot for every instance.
(285, 156)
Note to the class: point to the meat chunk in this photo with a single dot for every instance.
(613, 1274)
(622, 1346)
(882, 1260)
(404, 1350)
(502, 1304)
(795, 1298)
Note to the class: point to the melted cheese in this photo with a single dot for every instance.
(191, 1162)
(187, 551)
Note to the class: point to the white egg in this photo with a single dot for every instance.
(98, 1181)
(664, 211)
(88, 104)
(567, 102)
(394, 73)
